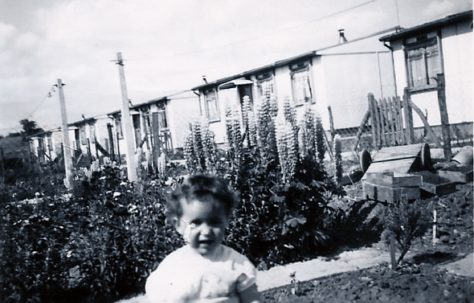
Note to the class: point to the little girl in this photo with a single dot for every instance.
(204, 270)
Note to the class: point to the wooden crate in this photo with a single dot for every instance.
(435, 184)
(457, 174)
(389, 193)
(393, 179)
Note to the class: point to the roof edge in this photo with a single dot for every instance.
(450, 19)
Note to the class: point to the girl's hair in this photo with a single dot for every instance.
(200, 187)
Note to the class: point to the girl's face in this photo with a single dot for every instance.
(202, 224)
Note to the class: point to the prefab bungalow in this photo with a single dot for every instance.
(420, 53)
(340, 77)
(159, 124)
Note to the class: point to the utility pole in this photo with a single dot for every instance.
(127, 124)
(66, 144)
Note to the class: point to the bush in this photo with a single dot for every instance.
(275, 167)
(99, 245)
(405, 222)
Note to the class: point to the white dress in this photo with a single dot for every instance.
(186, 276)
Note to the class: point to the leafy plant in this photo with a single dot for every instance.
(100, 244)
(405, 222)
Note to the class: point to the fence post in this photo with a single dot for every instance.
(155, 131)
(443, 110)
(408, 115)
(373, 120)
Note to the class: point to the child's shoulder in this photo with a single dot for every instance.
(231, 253)
(177, 254)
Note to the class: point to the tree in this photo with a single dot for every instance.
(30, 127)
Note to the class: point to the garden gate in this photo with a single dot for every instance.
(391, 121)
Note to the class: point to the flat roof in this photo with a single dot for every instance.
(451, 19)
(286, 61)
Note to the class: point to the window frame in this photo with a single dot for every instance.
(300, 68)
(206, 100)
(423, 41)
(265, 77)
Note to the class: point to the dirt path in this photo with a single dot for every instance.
(463, 267)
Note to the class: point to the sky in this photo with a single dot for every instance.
(168, 45)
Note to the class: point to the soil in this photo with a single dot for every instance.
(421, 278)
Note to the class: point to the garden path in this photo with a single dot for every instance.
(346, 261)
(463, 267)
(308, 270)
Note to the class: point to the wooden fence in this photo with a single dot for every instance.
(391, 122)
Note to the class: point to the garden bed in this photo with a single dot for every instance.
(421, 278)
(411, 283)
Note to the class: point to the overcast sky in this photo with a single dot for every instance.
(167, 44)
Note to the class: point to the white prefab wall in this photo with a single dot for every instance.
(180, 111)
(457, 50)
(348, 79)
(458, 70)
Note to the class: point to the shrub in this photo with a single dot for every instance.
(98, 245)
(283, 190)
(405, 221)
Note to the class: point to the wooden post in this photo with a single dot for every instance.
(376, 109)
(111, 140)
(373, 124)
(393, 260)
(127, 124)
(383, 114)
(425, 122)
(408, 116)
(155, 128)
(435, 220)
(401, 136)
(381, 123)
(390, 121)
(66, 143)
(393, 102)
(443, 110)
(331, 124)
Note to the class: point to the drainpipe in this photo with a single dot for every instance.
(393, 68)
(380, 74)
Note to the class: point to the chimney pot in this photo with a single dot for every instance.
(342, 37)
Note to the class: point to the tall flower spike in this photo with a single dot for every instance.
(228, 127)
(320, 142)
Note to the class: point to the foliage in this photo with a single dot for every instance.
(320, 141)
(284, 192)
(405, 221)
(200, 148)
(30, 128)
(98, 245)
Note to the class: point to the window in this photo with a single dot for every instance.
(265, 84)
(163, 124)
(137, 128)
(301, 83)
(82, 135)
(423, 63)
(211, 106)
(118, 128)
(92, 132)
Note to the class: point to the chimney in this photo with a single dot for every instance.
(204, 79)
(342, 37)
